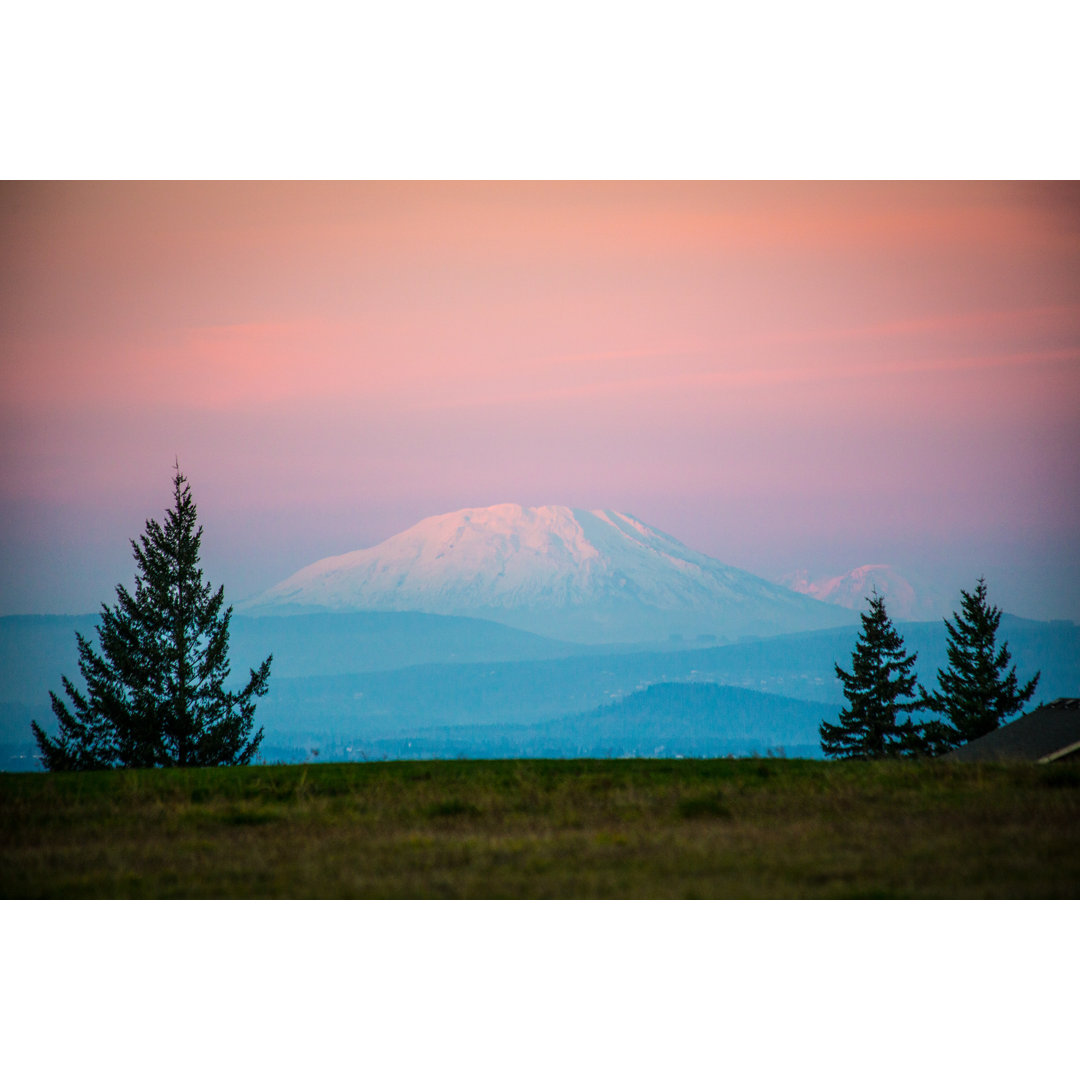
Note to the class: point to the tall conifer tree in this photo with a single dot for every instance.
(155, 693)
(880, 690)
(975, 692)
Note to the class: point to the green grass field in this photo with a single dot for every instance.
(533, 829)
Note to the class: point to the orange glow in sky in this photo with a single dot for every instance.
(782, 375)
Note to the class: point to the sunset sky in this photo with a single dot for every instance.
(783, 375)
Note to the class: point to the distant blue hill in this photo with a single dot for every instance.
(700, 719)
(664, 720)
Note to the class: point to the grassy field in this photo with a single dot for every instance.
(493, 829)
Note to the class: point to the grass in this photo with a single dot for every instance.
(494, 829)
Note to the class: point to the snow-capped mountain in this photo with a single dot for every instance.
(587, 576)
(903, 599)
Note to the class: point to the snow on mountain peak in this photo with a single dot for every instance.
(545, 530)
(577, 574)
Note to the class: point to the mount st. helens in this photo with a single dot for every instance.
(578, 575)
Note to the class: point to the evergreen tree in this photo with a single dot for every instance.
(155, 693)
(880, 690)
(975, 694)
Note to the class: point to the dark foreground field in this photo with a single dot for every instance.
(490, 829)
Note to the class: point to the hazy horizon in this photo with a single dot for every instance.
(784, 376)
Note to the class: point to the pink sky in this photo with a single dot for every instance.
(783, 375)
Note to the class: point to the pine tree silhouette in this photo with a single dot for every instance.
(155, 693)
(975, 693)
(880, 690)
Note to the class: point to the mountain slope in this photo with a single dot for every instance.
(586, 576)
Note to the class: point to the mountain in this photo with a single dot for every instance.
(905, 598)
(577, 575)
(691, 719)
